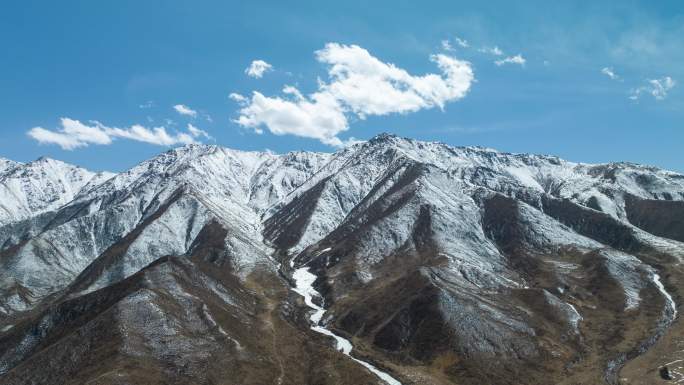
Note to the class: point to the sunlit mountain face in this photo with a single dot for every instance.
(389, 261)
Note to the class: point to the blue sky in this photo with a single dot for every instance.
(600, 81)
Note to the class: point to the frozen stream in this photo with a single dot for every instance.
(304, 286)
(674, 370)
(670, 302)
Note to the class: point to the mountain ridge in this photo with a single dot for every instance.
(434, 261)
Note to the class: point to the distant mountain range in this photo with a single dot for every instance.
(422, 262)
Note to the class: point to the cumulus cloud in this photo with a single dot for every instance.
(73, 134)
(369, 86)
(319, 117)
(608, 71)
(658, 88)
(359, 85)
(258, 68)
(185, 110)
(517, 59)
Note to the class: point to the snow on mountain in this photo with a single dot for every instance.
(396, 202)
(165, 201)
(277, 176)
(27, 190)
(355, 172)
(491, 242)
(6, 165)
(303, 196)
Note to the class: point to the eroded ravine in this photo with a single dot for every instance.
(675, 372)
(304, 281)
(668, 318)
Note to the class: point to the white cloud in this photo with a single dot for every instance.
(74, 134)
(658, 88)
(258, 68)
(197, 132)
(359, 85)
(461, 42)
(237, 97)
(608, 71)
(155, 135)
(185, 110)
(517, 59)
(319, 117)
(290, 90)
(446, 45)
(66, 141)
(147, 105)
(496, 51)
(369, 86)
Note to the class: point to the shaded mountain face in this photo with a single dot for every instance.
(439, 264)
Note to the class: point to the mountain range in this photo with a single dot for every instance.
(389, 261)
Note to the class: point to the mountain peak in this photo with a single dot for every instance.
(7, 165)
(7, 161)
(43, 185)
(45, 161)
(384, 136)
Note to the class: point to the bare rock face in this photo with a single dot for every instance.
(439, 264)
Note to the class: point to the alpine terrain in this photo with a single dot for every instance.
(392, 261)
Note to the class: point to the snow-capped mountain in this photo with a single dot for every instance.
(6, 164)
(439, 264)
(27, 190)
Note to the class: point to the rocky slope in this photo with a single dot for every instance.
(41, 186)
(439, 264)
